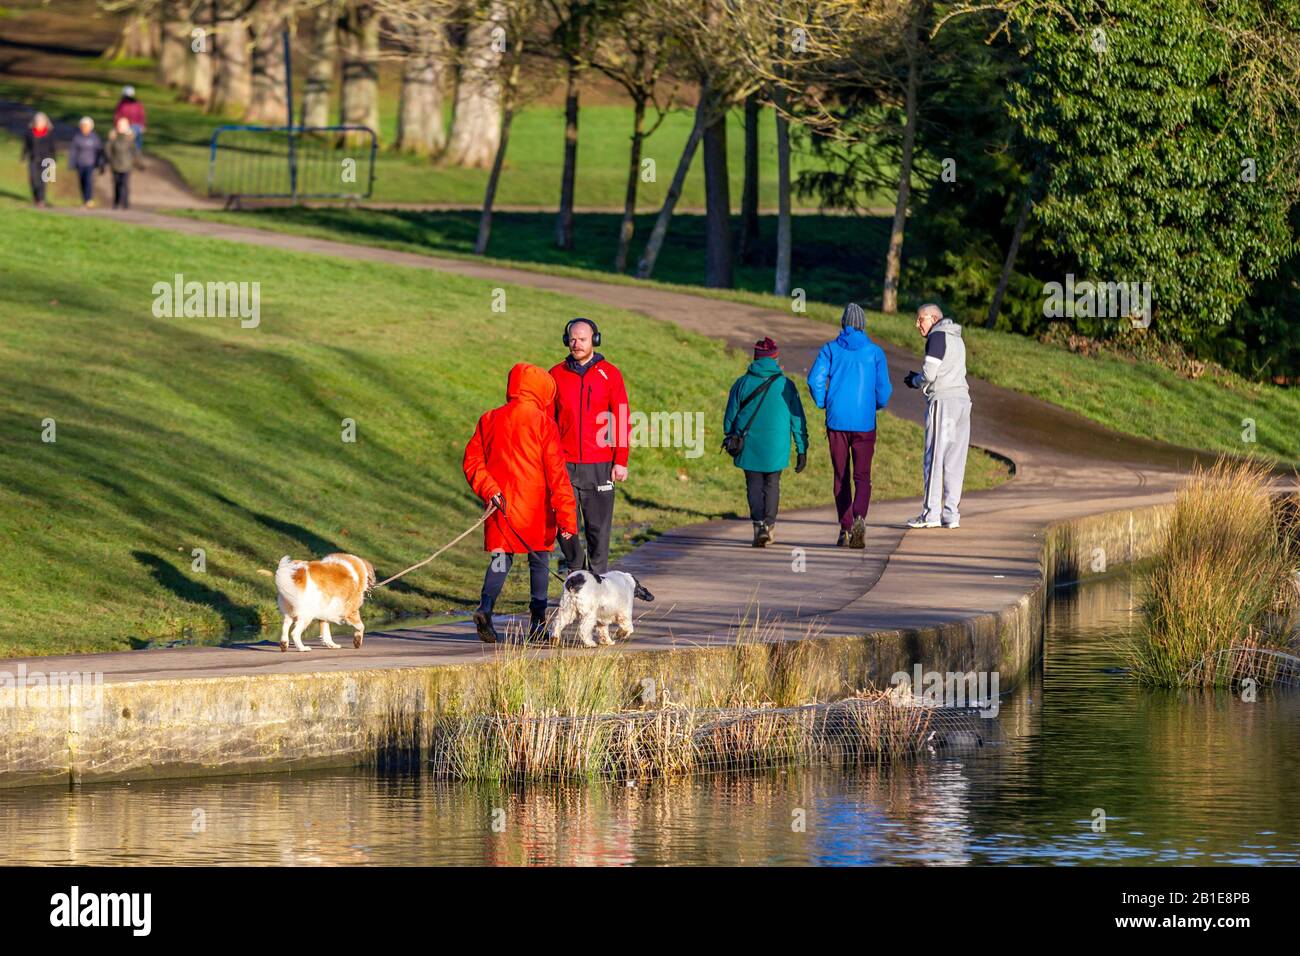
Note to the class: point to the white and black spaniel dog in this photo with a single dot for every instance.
(596, 601)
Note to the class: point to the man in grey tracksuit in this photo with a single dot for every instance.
(947, 417)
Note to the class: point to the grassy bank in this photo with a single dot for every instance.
(179, 434)
(1224, 585)
(1142, 399)
(180, 133)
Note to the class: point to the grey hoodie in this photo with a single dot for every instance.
(944, 373)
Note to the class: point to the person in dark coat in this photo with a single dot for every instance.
(132, 110)
(773, 417)
(121, 155)
(86, 156)
(38, 153)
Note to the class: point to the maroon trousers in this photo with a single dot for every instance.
(851, 454)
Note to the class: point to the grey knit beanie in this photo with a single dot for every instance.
(854, 318)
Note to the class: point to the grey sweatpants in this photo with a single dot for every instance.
(947, 439)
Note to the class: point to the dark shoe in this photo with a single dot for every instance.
(483, 624)
(760, 535)
(858, 536)
(536, 620)
(843, 540)
(771, 533)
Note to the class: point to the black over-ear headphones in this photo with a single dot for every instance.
(595, 332)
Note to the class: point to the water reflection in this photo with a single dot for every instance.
(1180, 779)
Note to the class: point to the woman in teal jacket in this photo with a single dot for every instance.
(777, 415)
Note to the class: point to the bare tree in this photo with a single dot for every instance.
(511, 20)
(174, 45)
(747, 241)
(797, 51)
(201, 58)
(711, 51)
(140, 37)
(232, 82)
(359, 53)
(913, 48)
(322, 57)
(476, 117)
(417, 30)
(574, 36)
(633, 48)
(269, 103)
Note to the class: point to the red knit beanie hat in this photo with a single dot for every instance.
(765, 348)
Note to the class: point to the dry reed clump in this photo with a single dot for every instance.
(1223, 585)
(755, 703)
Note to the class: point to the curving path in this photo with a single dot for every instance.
(706, 576)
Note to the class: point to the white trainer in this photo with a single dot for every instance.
(921, 522)
(954, 523)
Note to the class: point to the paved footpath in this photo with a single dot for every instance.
(705, 576)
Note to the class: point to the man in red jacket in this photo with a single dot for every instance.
(514, 461)
(593, 419)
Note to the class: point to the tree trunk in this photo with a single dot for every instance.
(781, 285)
(476, 120)
(173, 57)
(359, 48)
(747, 244)
(633, 179)
(320, 65)
(717, 206)
(651, 254)
(269, 104)
(1005, 278)
(564, 221)
(894, 259)
(419, 112)
(201, 60)
(140, 39)
(232, 76)
(498, 161)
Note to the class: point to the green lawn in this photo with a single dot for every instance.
(176, 434)
(180, 133)
(835, 261)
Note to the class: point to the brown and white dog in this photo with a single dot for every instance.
(330, 590)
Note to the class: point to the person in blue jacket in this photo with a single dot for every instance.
(850, 379)
(767, 403)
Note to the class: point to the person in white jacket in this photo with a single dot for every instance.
(947, 418)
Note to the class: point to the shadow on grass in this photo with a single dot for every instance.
(232, 614)
(837, 258)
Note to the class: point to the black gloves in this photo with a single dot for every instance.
(571, 548)
(800, 462)
(500, 501)
(911, 380)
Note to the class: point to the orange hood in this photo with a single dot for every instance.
(531, 384)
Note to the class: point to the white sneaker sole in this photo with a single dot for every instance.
(923, 524)
(953, 524)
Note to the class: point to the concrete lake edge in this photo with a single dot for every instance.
(263, 723)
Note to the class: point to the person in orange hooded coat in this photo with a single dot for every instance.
(514, 461)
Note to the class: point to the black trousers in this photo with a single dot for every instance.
(539, 563)
(763, 489)
(36, 181)
(593, 487)
(121, 190)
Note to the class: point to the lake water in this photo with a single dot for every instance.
(1181, 779)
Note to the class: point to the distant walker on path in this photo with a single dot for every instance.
(947, 418)
(764, 408)
(850, 379)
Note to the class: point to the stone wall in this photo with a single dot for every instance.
(272, 722)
